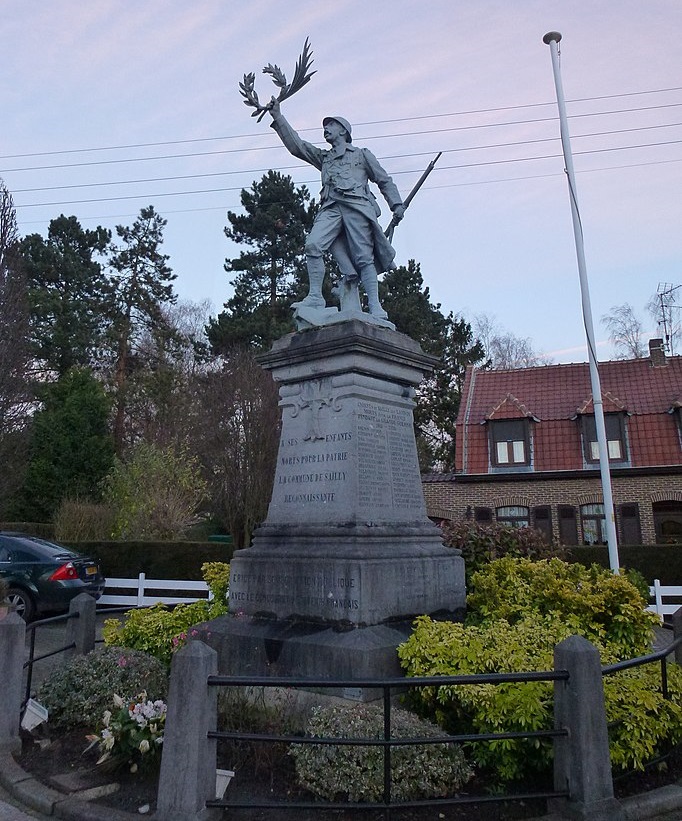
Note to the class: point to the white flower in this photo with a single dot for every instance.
(118, 701)
(144, 746)
(106, 718)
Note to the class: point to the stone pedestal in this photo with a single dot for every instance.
(346, 543)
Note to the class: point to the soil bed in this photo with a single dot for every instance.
(255, 781)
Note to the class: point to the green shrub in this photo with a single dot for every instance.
(481, 544)
(427, 771)
(156, 630)
(159, 630)
(593, 602)
(78, 693)
(155, 494)
(645, 722)
(77, 521)
(639, 581)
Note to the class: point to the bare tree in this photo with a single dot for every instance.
(237, 429)
(14, 357)
(505, 350)
(626, 331)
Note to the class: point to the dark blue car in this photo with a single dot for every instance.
(43, 577)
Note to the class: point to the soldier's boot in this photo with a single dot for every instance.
(315, 280)
(370, 283)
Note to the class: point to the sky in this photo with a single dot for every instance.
(113, 105)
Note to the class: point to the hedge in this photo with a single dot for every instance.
(157, 560)
(658, 561)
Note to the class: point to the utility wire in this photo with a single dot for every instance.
(426, 132)
(313, 182)
(370, 122)
(251, 171)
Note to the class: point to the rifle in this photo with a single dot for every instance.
(388, 233)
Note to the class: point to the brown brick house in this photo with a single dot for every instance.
(527, 454)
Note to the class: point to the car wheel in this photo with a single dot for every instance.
(22, 602)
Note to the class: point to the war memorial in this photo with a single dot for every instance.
(347, 555)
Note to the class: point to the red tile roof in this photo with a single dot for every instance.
(553, 396)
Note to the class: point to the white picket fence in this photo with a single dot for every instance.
(149, 591)
(659, 592)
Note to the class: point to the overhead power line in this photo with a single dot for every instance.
(250, 171)
(370, 122)
(251, 149)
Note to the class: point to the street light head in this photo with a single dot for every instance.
(551, 35)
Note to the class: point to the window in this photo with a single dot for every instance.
(668, 522)
(483, 515)
(509, 443)
(512, 515)
(615, 438)
(594, 524)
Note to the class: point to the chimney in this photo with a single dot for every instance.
(657, 353)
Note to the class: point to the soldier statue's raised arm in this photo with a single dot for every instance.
(347, 222)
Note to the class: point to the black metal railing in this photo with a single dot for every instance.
(32, 658)
(387, 743)
(31, 630)
(651, 658)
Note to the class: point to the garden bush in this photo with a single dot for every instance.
(78, 693)
(481, 544)
(592, 601)
(645, 722)
(427, 771)
(160, 630)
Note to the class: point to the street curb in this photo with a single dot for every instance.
(32, 793)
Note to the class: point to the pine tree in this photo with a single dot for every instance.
(270, 274)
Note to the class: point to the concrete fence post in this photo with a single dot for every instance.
(581, 760)
(81, 630)
(677, 632)
(188, 763)
(12, 652)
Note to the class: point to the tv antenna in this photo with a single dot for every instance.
(667, 309)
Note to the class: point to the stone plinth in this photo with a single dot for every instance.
(346, 542)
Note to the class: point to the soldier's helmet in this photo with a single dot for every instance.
(343, 122)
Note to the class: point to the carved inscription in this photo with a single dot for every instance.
(311, 471)
(389, 475)
(327, 591)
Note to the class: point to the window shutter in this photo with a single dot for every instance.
(542, 521)
(568, 525)
(630, 528)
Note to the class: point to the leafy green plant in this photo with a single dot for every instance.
(156, 630)
(155, 494)
(639, 581)
(159, 630)
(420, 771)
(132, 735)
(592, 601)
(643, 722)
(481, 544)
(78, 693)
